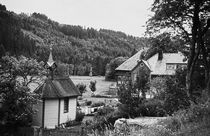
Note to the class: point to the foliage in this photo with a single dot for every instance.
(190, 21)
(142, 81)
(17, 98)
(81, 87)
(79, 116)
(130, 99)
(17, 103)
(92, 86)
(31, 35)
(88, 103)
(166, 43)
(112, 65)
(158, 87)
(193, 120)
(70, 123)
(152, 108)
(97, 104)
(175, 96)
(25, 70)
(105, 118)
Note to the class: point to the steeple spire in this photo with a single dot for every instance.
(50, 61)
(51, 64)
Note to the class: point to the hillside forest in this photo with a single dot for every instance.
(79, 47)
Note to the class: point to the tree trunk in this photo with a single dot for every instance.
(193, 50)
(208, 85)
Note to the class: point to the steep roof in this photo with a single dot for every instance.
(58, 87)
(158, 67)
(131, 63)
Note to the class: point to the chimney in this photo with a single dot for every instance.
(160, 55)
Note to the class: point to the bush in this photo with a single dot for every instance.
(194, 113)
(152, 108)
(79, 116)
(92, 86)
(88, 103)
(81, 87)
(70, 123)
(97, 104)
(175, 97)
(158, 87)
(105, 118)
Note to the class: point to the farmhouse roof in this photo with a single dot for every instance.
(158, 67)
(58, 87)
(131, 63)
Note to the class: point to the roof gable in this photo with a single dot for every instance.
(131, 63)
(58, 87)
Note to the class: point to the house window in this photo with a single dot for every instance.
(181, 66)
(66, 105)
(170, 66)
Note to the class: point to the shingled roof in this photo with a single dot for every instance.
(158, 67)
(131, 63)
(59, 87)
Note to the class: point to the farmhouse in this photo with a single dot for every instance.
(59, 99)
(160, 64)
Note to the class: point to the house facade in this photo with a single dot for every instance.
(160, 64)
(58, 99)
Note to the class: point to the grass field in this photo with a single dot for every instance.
(102, 86)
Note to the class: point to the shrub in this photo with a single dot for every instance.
(104, 111)
(88, 103)
(105, 118)
(194, 113)
(81, 87)
(158, 87)
(129, 97)
(175, 97)
(92, 86)
(97, 104)
(79, 116)
(70, 123)
(152, 108)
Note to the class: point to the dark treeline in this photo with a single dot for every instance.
(81, 48)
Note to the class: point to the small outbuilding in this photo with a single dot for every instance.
(58, 99)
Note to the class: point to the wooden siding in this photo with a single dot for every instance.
(71, 114)
(51, 113)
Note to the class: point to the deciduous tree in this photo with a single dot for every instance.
(190, 20)
(15, 76)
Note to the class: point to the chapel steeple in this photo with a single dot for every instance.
(51, 64)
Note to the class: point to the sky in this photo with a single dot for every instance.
(128, 16)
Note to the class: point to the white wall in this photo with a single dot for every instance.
(71, 114)
(51, 113)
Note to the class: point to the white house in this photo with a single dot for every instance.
(59, 99)
(160, 64)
